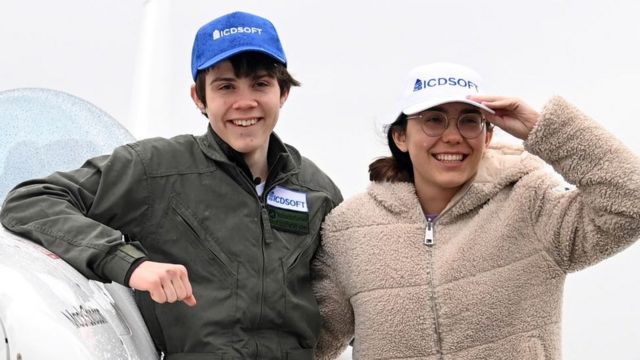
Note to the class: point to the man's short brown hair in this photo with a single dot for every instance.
(247, 64)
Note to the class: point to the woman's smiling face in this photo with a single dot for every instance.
(447, 161)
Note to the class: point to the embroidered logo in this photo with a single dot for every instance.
(421, 84)
(217, 34)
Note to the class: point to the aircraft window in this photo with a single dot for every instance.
(43, 130)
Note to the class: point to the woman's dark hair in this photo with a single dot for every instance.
(398, 166)
(247, 64)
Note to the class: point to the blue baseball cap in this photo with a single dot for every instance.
(232, 34)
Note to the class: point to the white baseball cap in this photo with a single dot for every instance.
(435, 84)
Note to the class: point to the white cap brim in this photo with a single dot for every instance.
(416, 108)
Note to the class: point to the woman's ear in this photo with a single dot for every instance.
(400, 139)
(488, 137)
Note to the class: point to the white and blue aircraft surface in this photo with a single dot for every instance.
(48, 310)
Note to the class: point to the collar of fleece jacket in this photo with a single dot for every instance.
(501, 166)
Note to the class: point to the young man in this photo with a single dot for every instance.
(215, 232)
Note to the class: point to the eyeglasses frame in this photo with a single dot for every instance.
(485, 123)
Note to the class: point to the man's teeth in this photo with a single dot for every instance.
(245, 122)
(449, 157)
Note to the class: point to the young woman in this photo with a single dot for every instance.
(459, 249)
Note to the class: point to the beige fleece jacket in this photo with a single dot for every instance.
(490, 287)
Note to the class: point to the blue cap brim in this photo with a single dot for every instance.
(225, 55)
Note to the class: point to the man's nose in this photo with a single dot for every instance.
(245, 100)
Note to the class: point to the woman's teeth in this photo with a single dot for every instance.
(449, 157)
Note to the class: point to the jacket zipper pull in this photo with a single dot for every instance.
(428, 234)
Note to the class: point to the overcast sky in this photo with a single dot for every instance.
(132, 59)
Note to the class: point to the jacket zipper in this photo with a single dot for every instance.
(428, 234)
(429, 241)
(264, 217)
(262, 208)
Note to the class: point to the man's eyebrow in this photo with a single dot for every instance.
(262, 75)
(222, 79)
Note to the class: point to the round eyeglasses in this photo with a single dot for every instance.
(434, 123)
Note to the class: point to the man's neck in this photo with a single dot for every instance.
(257, 163)
(253, 165)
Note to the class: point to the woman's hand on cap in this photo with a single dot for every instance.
(512, 114)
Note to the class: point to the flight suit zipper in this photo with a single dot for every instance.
(266, 224)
